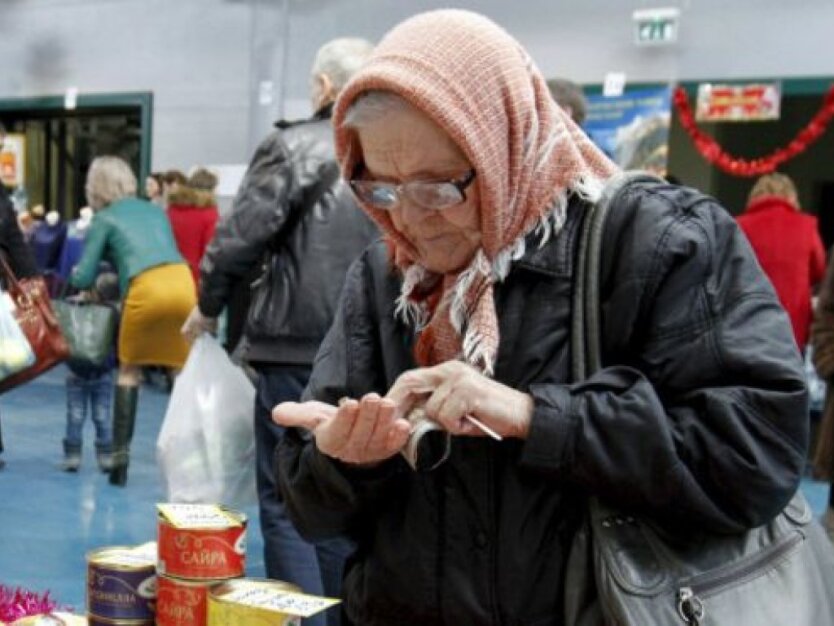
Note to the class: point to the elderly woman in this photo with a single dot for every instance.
(155, 283)
(452, 144)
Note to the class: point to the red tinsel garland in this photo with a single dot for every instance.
(712, 151)
(17, 603)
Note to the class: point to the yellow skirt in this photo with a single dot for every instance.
(158, 302)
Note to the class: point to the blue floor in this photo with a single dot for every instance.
(50, 519)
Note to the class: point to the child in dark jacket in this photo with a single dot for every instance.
(90, 386)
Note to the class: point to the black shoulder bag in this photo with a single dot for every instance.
(781, 574)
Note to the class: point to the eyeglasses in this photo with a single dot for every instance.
(434, 195)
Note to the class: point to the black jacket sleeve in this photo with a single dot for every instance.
(344, 495)
(702, 414)
(12, 244)
(259, 210)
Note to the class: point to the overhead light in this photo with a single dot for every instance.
(71, 98)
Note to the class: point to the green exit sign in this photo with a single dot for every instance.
(654, 27)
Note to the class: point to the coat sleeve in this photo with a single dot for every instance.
(84, 274)
(822, 328)
(701, 416)
(207, 234)
(323, 496)
(817, 255)
(240, 239)
(12, 243)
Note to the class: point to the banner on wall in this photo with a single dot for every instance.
(633, 128)
(12, 160)
(738, 103)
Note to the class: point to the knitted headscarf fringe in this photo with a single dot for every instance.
(409, 311)
(552, 221)
(473, 350)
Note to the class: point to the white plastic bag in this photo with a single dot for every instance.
(206, 446)
(15, 351)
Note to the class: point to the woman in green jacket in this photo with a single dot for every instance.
(156, 287)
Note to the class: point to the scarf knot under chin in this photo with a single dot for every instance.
(454, 313)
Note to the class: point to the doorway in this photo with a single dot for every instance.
(61, 143)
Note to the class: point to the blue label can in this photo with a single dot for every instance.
(121, 583)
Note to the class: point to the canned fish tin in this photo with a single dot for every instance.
(181, 602)
(201, 541)
(253, 602)
(55, 618)
(93, 620)
(121, 583)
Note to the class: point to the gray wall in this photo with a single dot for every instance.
(194, 55)
(205, 59)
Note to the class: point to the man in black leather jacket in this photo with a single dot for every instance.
(293, 214)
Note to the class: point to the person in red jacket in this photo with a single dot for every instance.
(192, 210)
(788, 246)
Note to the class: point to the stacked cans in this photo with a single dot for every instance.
(121, 586)
(200, 546)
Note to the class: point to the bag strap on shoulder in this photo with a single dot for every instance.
(11, 281)
(586, 348)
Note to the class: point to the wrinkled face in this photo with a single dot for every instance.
(406, 146)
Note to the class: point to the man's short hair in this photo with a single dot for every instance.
(570, 97)
(339, 59)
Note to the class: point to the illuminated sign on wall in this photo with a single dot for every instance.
(738, 103)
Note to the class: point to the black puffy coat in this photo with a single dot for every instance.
(295, 215)
(699, 418)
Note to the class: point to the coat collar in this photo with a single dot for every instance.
(323, 113)
(766, 203)
(554, 258)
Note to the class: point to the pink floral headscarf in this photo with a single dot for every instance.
(478, 84)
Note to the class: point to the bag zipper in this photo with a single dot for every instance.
(691, 606)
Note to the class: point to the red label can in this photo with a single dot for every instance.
(95, 620)
(182, 602)
(202, 553)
